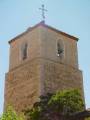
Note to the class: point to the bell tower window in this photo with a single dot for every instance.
(24, 51)
(60, 49)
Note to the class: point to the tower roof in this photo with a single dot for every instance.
(42, 23)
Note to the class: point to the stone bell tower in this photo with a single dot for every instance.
(42, 59)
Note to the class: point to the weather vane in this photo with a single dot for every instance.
(43, 11)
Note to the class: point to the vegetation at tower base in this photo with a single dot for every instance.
(58, 106)
(10, 114)
(65, 105)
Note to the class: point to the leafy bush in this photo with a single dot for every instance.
(10, 114)
(56, 106)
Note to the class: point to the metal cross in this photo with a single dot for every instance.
(43, 11)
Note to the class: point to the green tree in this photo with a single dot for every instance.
(56, 106)
(67, 102)
(10, 114)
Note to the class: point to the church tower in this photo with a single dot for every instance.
(42, 60)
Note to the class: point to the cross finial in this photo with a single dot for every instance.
(43, 11)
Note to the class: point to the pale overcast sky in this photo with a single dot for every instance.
(71, 16)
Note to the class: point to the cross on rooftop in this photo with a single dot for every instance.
(43, 11)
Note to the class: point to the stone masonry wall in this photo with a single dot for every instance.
(22, 86)
(59, 76)
(27, 82)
